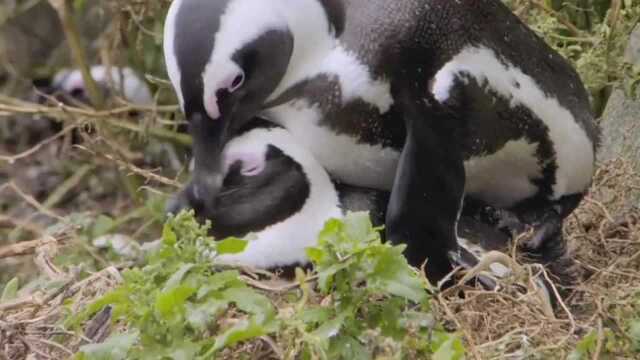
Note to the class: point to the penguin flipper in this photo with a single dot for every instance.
(428, 189)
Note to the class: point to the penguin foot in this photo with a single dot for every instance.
(467, 261)
(545, 232)
(500, 265)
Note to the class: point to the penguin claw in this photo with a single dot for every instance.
(487, 264)
(468, 262)
(543, 232)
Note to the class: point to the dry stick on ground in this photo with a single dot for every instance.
(465, 332)
(11, 223)
(25, 247)
(59, 193)
(134, 169)
(12, 159)
(33, 202)
(12, 105)
(63, 112)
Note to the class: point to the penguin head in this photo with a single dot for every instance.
(266, 181)
(225, 58)
(68, 85)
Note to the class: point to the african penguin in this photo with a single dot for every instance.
(122, 81)
(67, 86)
(432, 100)
(274, 189)
(275, 193)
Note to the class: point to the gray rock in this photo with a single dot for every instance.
(621, 119)
(621, 128)
(632, 54)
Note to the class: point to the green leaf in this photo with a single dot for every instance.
(347, 347)
(10, 291)
(584, 347)
(451, 349)
(243, 331)
(102, 226)
(219, 281)
(177, 277)
(325, 276)
(634, 334)
(251, 302)
(315, 254)
(115, 347)
(171, 303)
(316, 315)
(169, 237)
(231, 246)
(358, 226)
(185, 350)
(201, 315)
(393, 275)
(329, 329)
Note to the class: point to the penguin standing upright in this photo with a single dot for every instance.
(433, 100)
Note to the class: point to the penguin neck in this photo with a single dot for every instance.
(313, 41)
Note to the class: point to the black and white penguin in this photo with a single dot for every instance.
(274, 190)
(119, 81)
(278, 195)
(433, 100)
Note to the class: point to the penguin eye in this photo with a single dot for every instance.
(77, 92)
(237, 82)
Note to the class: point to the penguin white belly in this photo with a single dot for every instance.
(357, 164)
(285, 243)
(504, 178)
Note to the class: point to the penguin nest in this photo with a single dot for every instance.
(604, 239)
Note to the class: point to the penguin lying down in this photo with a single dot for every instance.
(274, 189)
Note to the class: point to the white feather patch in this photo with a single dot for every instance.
(358, 164)
(170, 58)
(285, 243)
(124, 81)
(574, 151)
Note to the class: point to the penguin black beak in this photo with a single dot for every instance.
(209, 138)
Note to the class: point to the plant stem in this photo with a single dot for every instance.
(65, 13)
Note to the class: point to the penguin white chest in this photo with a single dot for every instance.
(346, 159)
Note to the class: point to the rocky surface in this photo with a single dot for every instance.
(621, 119)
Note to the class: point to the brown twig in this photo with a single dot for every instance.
(24, 248)
(465, 332)
(33, 202)
(568, 24)
(134, 169)
(12, 159)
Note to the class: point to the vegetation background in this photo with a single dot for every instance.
(82, 192)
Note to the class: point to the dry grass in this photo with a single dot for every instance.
(604, 234)
(512, 323)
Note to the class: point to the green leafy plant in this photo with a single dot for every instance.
(180, 305)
